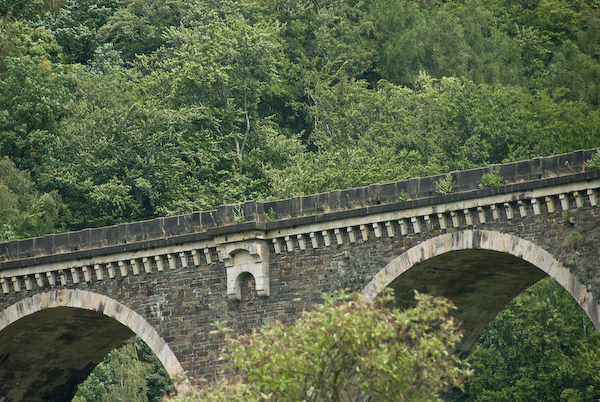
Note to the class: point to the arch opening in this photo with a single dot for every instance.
(50, 342)
(480, 271)
(246, 283)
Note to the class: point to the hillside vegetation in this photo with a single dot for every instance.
(117, 111)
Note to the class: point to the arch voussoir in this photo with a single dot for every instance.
(86, 300)
(492, 241)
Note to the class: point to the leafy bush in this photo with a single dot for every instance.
(594, 162)
(238, 214)
(345, 348)
(492, 179)
(445, 186)
(270, 215)
(403, 196)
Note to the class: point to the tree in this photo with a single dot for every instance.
(411, 40)
(22, 9)
(19, 40)
(542, 346)
(131, 372)
(221, 66)
(23, 212)
(216, 69)
(76, 26)
(326, 39)
(345, 348)
(121, 157)
(34, 90)
(137, 26)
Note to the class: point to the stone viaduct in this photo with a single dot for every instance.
(68, 299)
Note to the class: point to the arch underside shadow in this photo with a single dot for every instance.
(49, 343)
(480, 271)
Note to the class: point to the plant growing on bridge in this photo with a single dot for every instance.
(594, 162)
(403, 196)
(492, 179)
(238, 214)
(343, 349)
(270, 215)
(445, 186)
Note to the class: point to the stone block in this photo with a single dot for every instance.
(361, 196)
(309, 205)
(578, 159)
(97, 238)
(295, 207)
(335, 200)
(267, 206)
(469, 179)
(508, 171)
(555, 164)
(43, 245)
(60, 243)
(282, 209)
(111, 235)
(8, 250)
(322, 203)
(171, 226)
(122, 235)
(78, 240)
(373, 194)
(427, 185)
(250, 212)
(387, 193)
(259, 211)
(347, 198)
(25, 248)
(183, 224)
(195, 222)
(208, 219)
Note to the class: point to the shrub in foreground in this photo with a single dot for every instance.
(347, 349)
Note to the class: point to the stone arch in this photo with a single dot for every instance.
(483, 241)
(87, 305)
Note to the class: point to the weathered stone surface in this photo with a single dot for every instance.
(480, 247)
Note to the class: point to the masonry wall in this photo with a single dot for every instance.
(182, 303)
(202, 225)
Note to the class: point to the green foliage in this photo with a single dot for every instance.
(129, 373)
(23, 212)
(542, 346)
(186, 105)
(364, 135)
(328, 40)
(403, 196)
(241, 57)
(445, 185)
(22, 9)
(492, 179)
(20, 40)
(270, 215)
(412, 39)
(76, 25)
(33, 94)
(345, 348)
(137, 27)
(114, 166)
(594, 162)
(238, 214)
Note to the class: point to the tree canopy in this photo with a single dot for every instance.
(345, 348)
(116, 111)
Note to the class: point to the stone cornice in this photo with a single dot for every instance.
(91, 244)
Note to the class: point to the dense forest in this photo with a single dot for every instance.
(115, 111)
